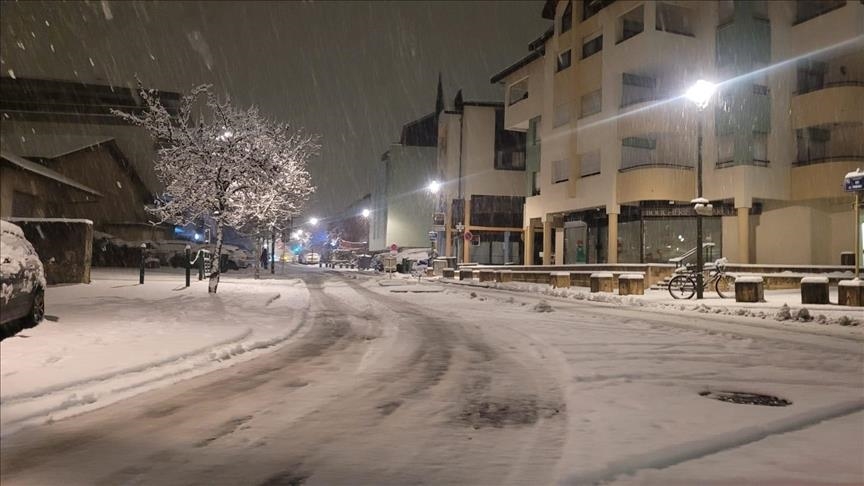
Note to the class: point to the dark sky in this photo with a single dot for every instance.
(353, 72)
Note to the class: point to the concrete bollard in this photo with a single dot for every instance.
(814, 290)
(851, 293)
(601, 282)
(749, 289)
(631, 284)
(559, 280)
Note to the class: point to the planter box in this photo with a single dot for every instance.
(559, 280)
(631, 284)
(851, 293)
(602, 282)
(749, 289)
(814, 290)
(486, 275)
(449, 273)
(466, 274)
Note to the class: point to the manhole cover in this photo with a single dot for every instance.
(746, 398)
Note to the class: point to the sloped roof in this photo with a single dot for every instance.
(43, 171)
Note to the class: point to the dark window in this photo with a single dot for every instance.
(760, 89)
(497, 211)
(637, 89)
(518, 91)
(592, 46)
(509, 146)
(567, 18)
(457, 212)
(535, 183)
(563, 60)
(811, 76)
(809, 9)
(674, 19)
(632, 23)
(591, 7)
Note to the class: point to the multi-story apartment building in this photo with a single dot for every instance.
(612, 146)
(481, 168)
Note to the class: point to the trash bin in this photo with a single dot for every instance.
(406, 265)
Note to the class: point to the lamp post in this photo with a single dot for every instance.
(366, 214)
(434, 188)
(700, 94)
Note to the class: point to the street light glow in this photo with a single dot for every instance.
(313, 221)
(366, 213)
(701, 92)
(434, 187)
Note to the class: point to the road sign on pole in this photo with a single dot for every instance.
(467, 236)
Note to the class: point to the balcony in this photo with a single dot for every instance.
(822, 178)
(835, 103)
(656, 183)
(827, 28)
(660, 116)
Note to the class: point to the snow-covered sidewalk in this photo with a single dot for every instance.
(115, 338)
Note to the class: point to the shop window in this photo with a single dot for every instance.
(560, 171)
(563, 61)
(589, 164)
(591, 103)
(518, 91)
(592, 45)
(567, 18)
(674, 19)
(631, 24)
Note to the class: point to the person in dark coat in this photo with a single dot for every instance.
(264, 258)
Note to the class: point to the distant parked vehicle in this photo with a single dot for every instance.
(22, 282)
(310, 258)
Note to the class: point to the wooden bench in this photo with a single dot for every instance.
(749, 289)
(631, 284)
(814, 290)
(851, 293)
(601, 282)
(559, 280)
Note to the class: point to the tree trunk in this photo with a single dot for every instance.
(216, 265)
(257, 257)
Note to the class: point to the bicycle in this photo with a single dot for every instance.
(683, 286)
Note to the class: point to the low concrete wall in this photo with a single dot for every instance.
(65, 247)
(579, 273)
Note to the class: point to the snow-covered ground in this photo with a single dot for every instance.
(406, 380)
(114, 338)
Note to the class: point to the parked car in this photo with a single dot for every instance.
(310, 258)
(22, 282)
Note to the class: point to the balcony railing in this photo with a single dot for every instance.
(834, 84)
(803, 161)
(652, 165)
(723, 164)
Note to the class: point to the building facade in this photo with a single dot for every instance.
(612, 147)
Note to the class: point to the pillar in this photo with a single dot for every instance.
(559, 246)
(612, 252)
(528, 246)
(466, 245)
(547, 242)
(743, 235)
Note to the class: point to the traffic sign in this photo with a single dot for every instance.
(433, 236)
(467, 236)
(394, 247)
(854, 181)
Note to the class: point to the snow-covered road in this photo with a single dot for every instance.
(387, 382)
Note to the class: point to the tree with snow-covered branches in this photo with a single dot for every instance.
(225, 165)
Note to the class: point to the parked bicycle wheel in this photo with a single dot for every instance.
(682, 287)
(725, 286)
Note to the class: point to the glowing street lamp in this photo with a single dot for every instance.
(366, 213)
(434, 187)
(700, 94)
(313, 221)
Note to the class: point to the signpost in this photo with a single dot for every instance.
(854, 182)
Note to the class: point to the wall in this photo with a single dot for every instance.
(478, 160)
(64, 247)
(409, 205)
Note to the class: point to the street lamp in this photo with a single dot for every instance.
(366, 214)
(434, 187)
(313, 221)
(700, 94)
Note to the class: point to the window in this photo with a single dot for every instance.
(725, 150)
(809, 9)
(563, 60)
(592, 44)
(725, 11)
(631, 23)
(636, 89)
(812, 145)
(811, 76)
(535, 183)
(562, 114)
(497, 211)
(518, 91)
(636, 151)
(761, 90)
(591, 7)
(674, 19)
(509, 145)
(760, 148)
(560, 171)
(589, 164)
(509, 160)
(591, 103)
(567, 18)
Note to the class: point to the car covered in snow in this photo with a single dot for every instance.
(22, 282)
(310, 258)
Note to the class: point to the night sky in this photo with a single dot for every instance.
(353, 72)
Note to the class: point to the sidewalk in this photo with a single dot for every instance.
(115, 338)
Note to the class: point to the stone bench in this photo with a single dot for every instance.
(448, 273)
(749, 289)
(504, 276)
(851, 293)
(631, 284)
(486, 275)
(814, 290)
(466, 274)
(601, 282)
(559, 280)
